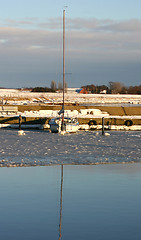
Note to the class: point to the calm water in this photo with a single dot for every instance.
(43, 148)
(98, 202)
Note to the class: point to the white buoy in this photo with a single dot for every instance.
(21, 132)
(63, 132)
(107, 134)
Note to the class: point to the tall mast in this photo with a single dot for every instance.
(63, 60)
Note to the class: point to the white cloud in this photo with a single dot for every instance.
(18, 38)
(78, 24)
(82, 35)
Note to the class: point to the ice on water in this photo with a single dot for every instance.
(43, 148)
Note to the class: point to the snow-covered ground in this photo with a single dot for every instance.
(14, 96)
(82, 113)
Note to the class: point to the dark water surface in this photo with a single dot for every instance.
(98, 202)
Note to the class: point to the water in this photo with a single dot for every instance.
(44, 148)
(98, 202)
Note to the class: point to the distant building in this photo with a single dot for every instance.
(72, 90)
(82, 90)
(103, 91)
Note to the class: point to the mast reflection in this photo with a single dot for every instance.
(61, 195)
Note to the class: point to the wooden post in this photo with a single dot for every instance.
(103, 126)
(20, 121)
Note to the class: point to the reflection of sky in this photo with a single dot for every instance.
(29, 203)
(99, 202)
(105, 203)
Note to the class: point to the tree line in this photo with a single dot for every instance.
(113, 88)
(53, 87)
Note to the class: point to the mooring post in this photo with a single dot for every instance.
(103, 126)
(20, 121)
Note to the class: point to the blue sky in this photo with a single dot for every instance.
(76, 8)
(103, 42)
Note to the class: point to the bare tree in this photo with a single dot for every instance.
(60, 86)
(53, 85)
(115, 87)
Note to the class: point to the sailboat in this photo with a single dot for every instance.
(63, 124)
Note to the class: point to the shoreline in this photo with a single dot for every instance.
(67, 164)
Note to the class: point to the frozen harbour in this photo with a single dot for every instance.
(39, 148)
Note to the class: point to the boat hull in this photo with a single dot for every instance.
(54, 128)
(68, 127)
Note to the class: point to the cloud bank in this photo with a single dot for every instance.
(89, 42)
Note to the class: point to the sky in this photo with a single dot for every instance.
(103, 42)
